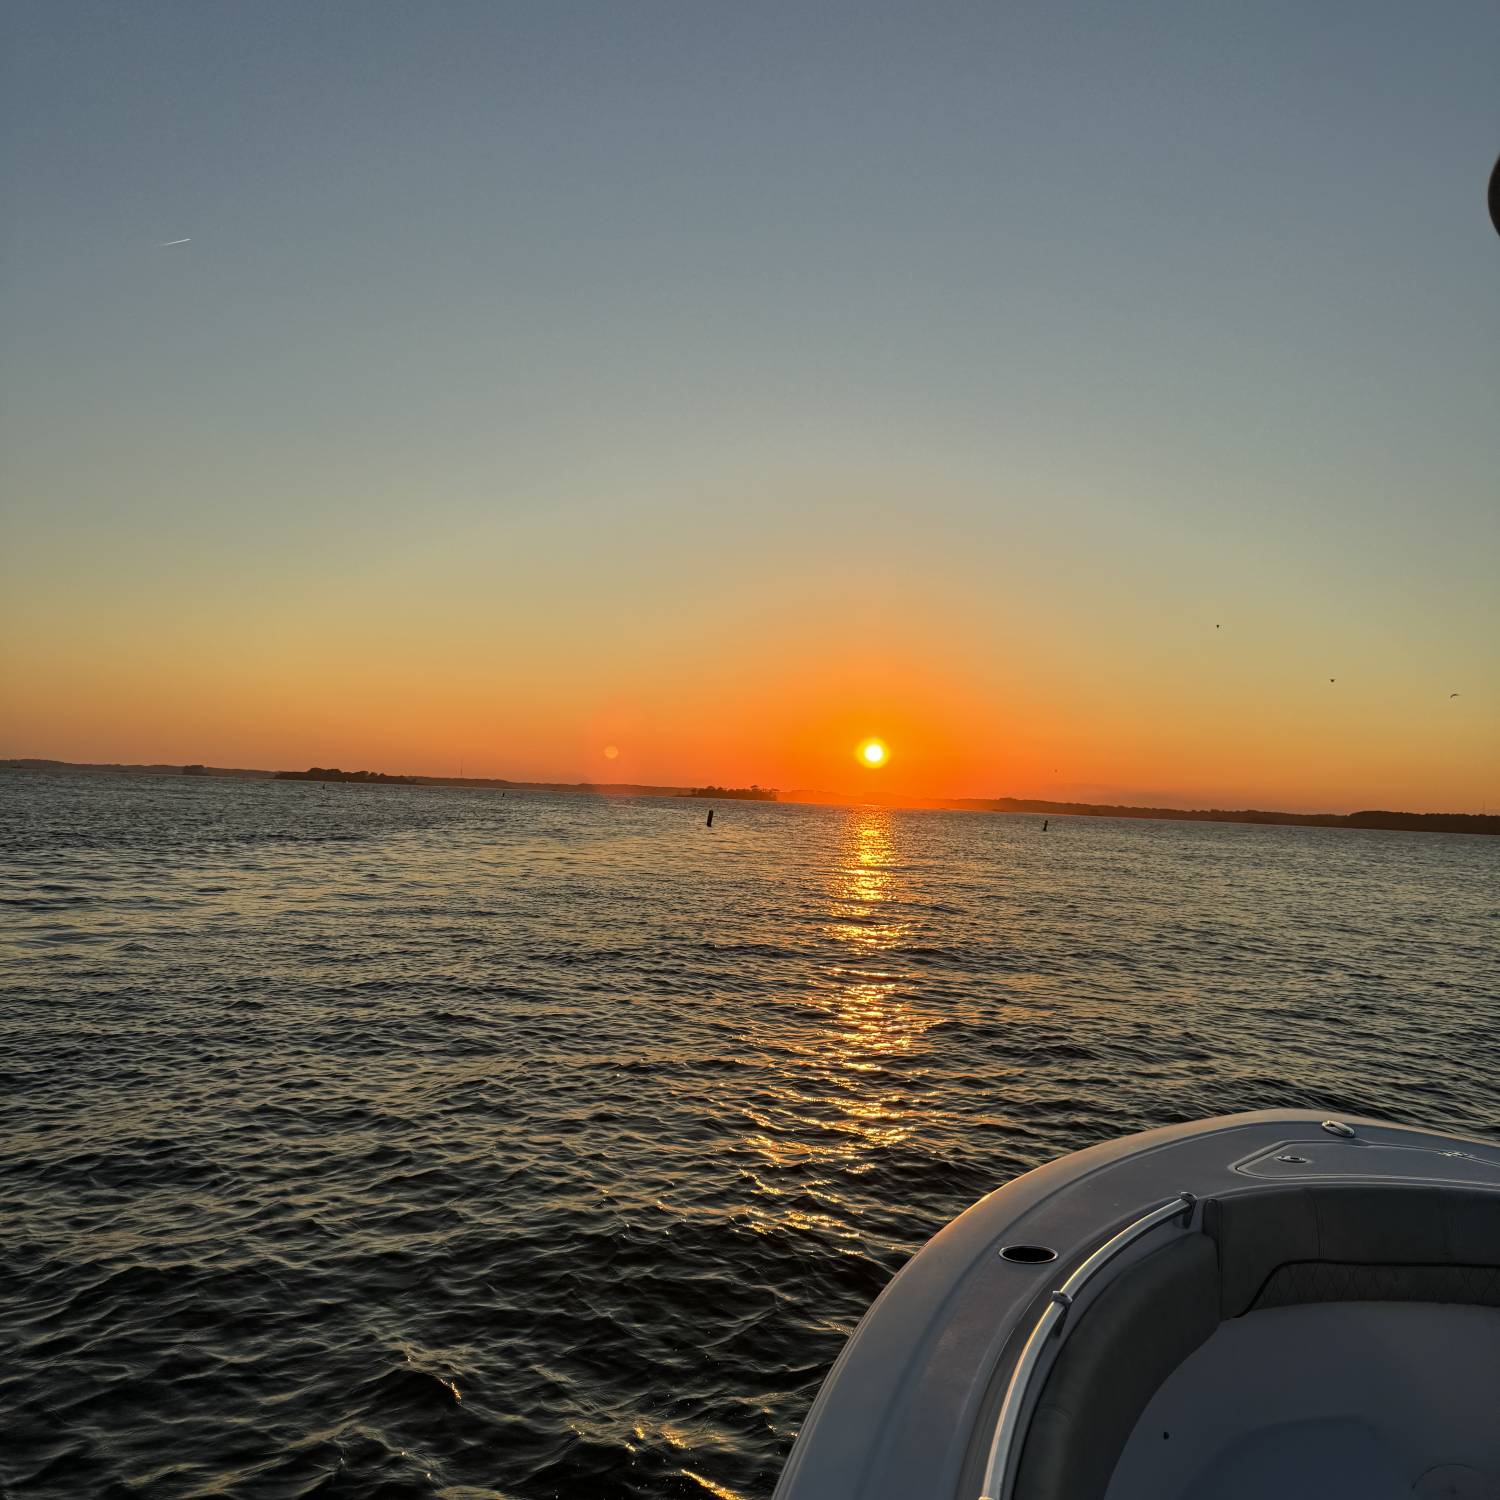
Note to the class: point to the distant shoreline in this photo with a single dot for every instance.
(1399, 822)
(1379, 819)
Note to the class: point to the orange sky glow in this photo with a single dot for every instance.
(1202, 719)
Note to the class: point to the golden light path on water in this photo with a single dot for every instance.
(844, 1098)
(876, 1020)
(845, 1092)
(847, 1095)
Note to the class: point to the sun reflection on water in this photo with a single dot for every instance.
(867, 917)
(850, 1095)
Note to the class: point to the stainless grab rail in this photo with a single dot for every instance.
(1053, 1314)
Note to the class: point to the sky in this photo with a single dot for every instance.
(1087, 400)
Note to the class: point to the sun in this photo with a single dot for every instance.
(872, 753)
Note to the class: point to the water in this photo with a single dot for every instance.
(396, 1142)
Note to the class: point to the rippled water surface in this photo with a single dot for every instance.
(384, 1141)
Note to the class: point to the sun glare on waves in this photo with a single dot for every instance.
(872, 753)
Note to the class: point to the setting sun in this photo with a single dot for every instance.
(872, 753)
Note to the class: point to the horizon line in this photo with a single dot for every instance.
(799, 796)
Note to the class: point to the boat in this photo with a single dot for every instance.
(1263, 1306)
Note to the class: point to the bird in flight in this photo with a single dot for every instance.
(1453, 695)
(167, 244)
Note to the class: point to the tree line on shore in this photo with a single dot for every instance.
(332, 773)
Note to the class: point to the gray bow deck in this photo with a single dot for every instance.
(1288, 1331)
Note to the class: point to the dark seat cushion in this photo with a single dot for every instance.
(1339, 1281)
(1140, 1327)
(1387, 1226)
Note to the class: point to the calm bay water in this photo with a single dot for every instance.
(396, 1142)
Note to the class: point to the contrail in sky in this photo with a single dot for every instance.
(163, 244)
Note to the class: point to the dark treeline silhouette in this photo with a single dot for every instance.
(735, 793)
(1403, 822)
(332, 773)
(571, 788)
(115, 768)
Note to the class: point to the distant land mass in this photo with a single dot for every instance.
(1404, 822)
(112, 768)
(326, 773)
(1401, 822)
(361, 778)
